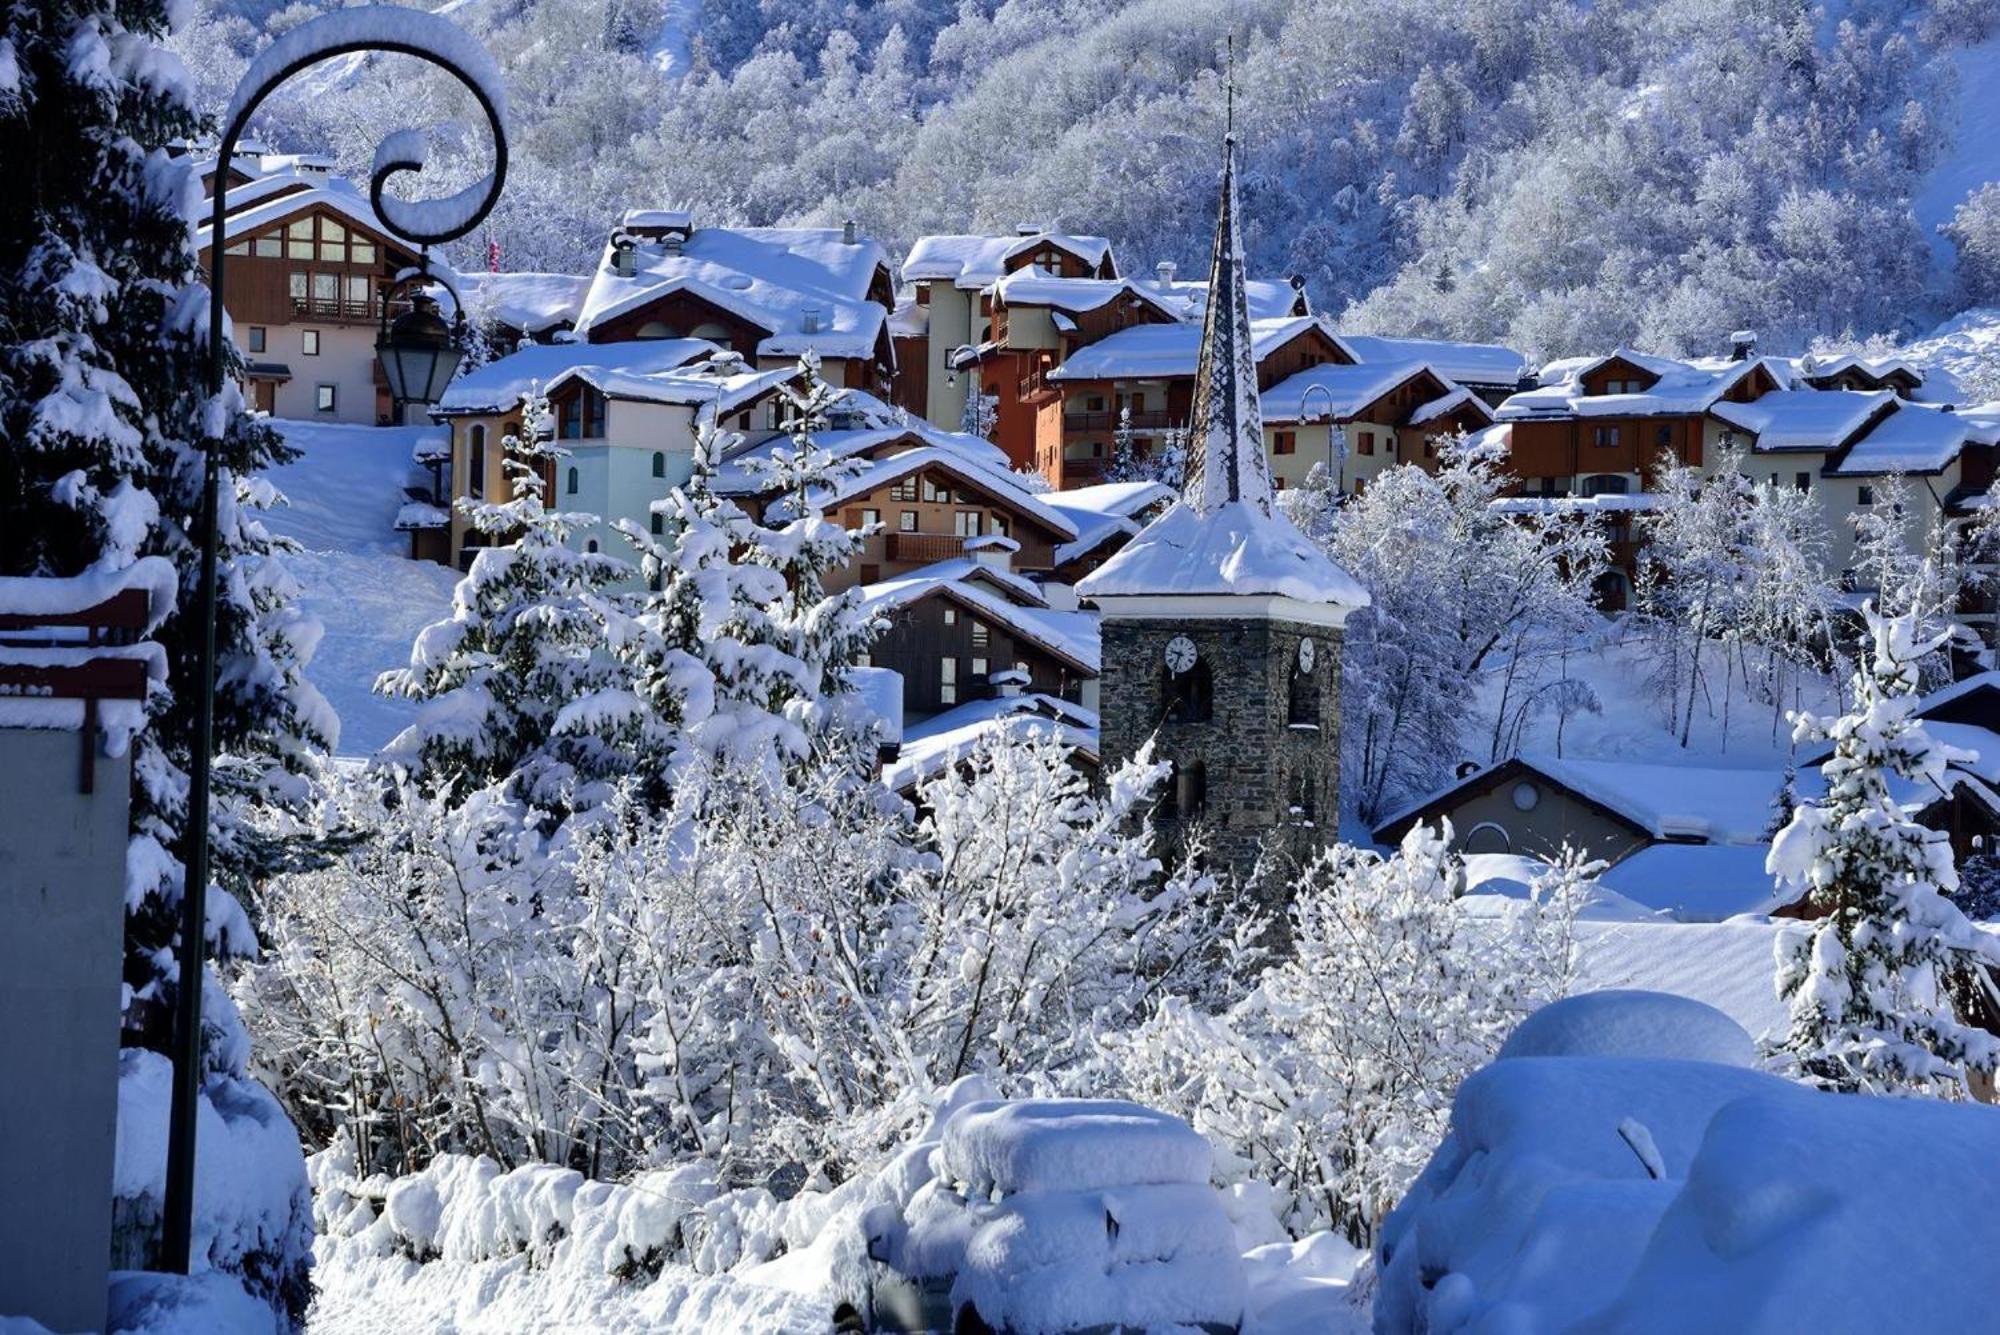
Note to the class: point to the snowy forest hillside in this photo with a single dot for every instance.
(1564, 177)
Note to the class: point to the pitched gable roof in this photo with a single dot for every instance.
(975, 262)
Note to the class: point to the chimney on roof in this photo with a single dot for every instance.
(1527, 378)
(1007, 682)
(1741, 344)
(809, 320)
(1166, 269)
(995, 550)
(624, 256)
(849, 235)
(1029, 229)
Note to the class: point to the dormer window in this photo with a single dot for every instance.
(581, 417)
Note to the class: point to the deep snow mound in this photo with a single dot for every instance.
(1632, 1024)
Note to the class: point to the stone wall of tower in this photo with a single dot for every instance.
(1257, 763)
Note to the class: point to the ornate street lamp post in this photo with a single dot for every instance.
(421, 224)
(1332, 431)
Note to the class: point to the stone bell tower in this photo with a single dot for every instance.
(1222, 622)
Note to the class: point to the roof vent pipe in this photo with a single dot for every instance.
(849, 234)
(1166, 269)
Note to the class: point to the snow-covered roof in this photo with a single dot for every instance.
(943, 738)
(531, 302)
(54, 649)
(1031, 287)
(1348, 390)
(415, 515)
(499, 386)
(977, 261)
(1165, 351)
(1267, 298)
(1878, 368)
(333, 194)
(1698, 882)
(1678, 388)
(880, 473)
(739, 477)
(1236, 548)
(1104, 513)
(1465, 363)
(1458, 400)
(909, 320)
(723, 385)
(771, 277)
(1071, 636)
(1804, 419)
(1913, 439)
(1687, 802)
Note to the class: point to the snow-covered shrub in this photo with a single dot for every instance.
(1333, 1079)
(1881, 989)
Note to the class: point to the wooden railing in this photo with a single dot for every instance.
(1101, 421)
(925, 547)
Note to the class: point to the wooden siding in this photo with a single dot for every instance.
(919, 640)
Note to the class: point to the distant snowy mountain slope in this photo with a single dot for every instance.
(358, 579)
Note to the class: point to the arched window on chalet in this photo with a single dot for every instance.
(475, 468)
(1190, 695)
(572, 481)
(659, 463)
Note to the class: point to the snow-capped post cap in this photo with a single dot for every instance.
(412, 32)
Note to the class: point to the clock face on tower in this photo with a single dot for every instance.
(1180, 654)
(1306, 654)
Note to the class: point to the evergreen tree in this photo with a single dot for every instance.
(105, 415)
(523, 684)
(1871, 989)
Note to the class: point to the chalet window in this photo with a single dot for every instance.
(1864, 495)
(1138, 404)
(1094, 403)
(332, 241)
(1191, 790)
(1303, 706)
(979, 633)
(965, 523)
(870, 518)
(1364, 443)
(659, 463)
(361, 251)
(904, 490)
(475, 480)
(590, 546)
(930, 491)
(299, 239)
(295, 284)
(309, 342)
(1604, 484)
(572, 482)
(257, 337)
(948, 681)
(1277, 484)
(1605, 437)
(240, 248)
(1803, 481)
(326, 289)
(979, 669)
(582, 417)
(269, 247)
(997, 524)
(360, 296)
(323, 398)
(951, 616)
(1190, 695)
(907, 521)
(863, 660)
(1284, 442)
(659, 523)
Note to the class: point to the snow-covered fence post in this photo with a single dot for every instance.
(421, 223)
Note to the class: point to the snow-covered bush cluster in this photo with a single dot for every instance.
(1331, 1081)
(1569, 177)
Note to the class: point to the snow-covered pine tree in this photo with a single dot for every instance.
(1871, 990)
(103, 410)
(982, 414)
(524, 684)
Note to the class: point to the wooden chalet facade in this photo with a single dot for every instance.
(304, 286)
(953, 638)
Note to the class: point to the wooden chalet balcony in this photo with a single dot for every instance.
(925, 548)
(1082, 472)
(1036, 383)
(340, 309)
(1084, 422)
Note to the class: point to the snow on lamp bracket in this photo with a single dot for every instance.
(420, 223)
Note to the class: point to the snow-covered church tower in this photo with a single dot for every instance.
(1222, 622)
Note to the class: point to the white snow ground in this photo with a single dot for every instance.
(343, 493)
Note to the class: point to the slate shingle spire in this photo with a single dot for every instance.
(1225, 426)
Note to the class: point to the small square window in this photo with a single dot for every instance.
(323, 398)
(309, 342)
(256, 338)
(1864, 495)
(979, 633)
(907, 521)
(979, 669)
(870, 518)
(269, 247)
(951, 616)
(1803, 481)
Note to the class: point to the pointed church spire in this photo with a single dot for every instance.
(1225, 426)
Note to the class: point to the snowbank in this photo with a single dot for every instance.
(1646, 1192)
(1070, 1145)
(1632, 1024)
